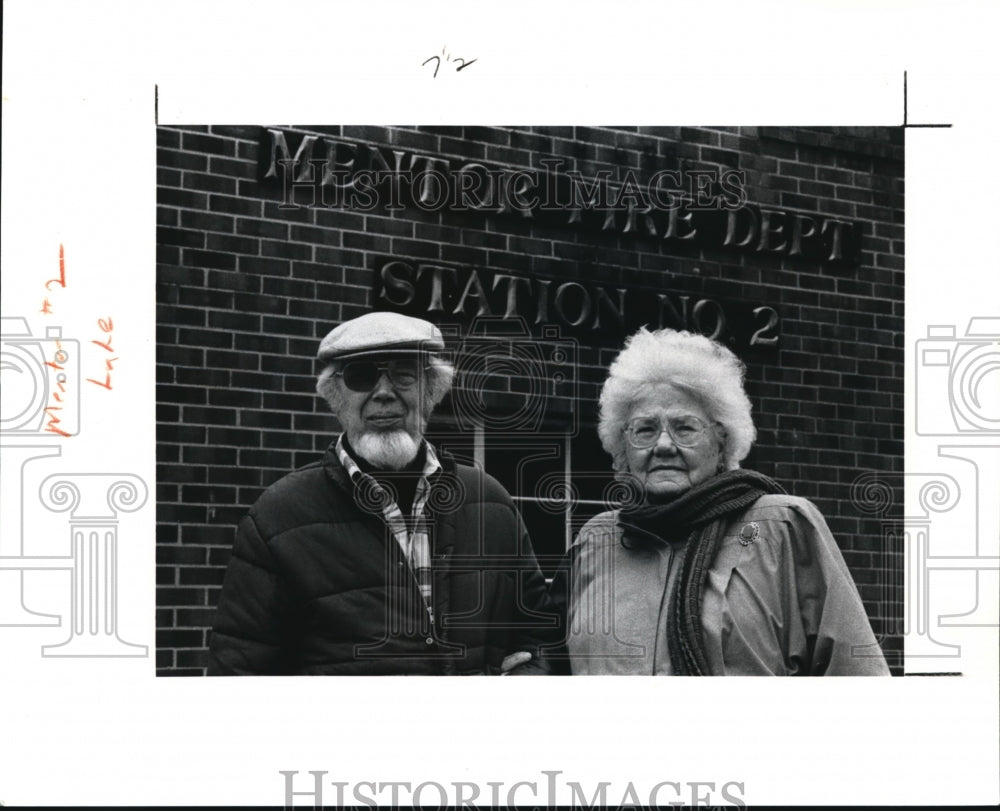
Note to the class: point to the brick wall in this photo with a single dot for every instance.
(246, 287)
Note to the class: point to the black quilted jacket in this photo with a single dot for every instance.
(317, 584)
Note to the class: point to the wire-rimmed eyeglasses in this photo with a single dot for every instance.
(686, 431)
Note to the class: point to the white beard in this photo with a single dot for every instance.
(387, 450)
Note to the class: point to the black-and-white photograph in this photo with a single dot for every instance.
(529, 400)
(394, 341)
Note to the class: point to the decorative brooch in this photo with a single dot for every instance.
(749, 533)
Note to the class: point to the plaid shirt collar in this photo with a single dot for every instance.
(411, 533)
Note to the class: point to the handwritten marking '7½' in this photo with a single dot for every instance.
(447, 58)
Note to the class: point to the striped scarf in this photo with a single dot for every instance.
(699, 515)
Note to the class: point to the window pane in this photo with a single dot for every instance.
(592, 473)
(526, 469)
(547, 529)
(447, 437)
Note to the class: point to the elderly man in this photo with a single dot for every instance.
(385, 557)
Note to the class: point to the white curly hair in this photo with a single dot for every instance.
(698, 365)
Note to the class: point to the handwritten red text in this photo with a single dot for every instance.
(106, 326)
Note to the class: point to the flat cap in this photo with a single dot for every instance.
(377, 333)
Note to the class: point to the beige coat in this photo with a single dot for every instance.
(779, 600)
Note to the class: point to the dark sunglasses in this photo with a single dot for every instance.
(363, 375)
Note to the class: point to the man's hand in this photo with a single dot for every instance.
(514, 660)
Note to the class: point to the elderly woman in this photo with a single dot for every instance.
(713, 570)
